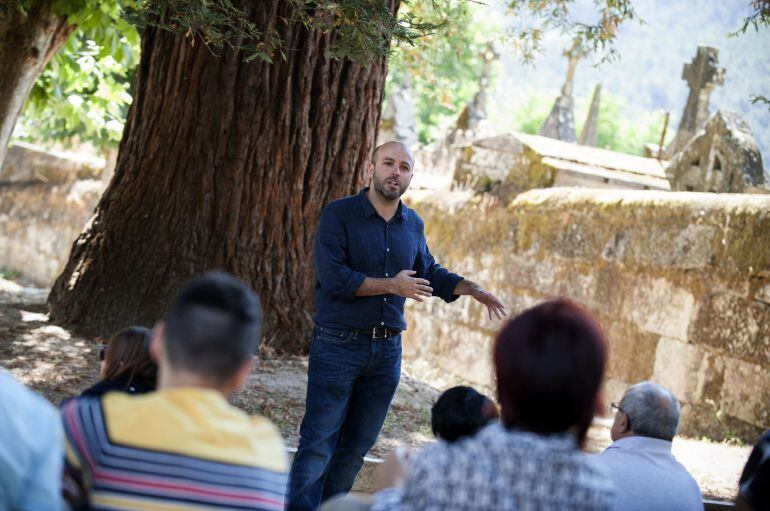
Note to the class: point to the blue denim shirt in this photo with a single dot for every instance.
(31, 449)
(353, 242)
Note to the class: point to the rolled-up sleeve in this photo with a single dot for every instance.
(330, 257)
(441, 280)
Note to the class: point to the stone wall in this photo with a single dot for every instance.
(40, 221)
(679, 281)
(46, 198)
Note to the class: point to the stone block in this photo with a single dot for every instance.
(572, 235)
(28, 162)
(533, 273)
(614, 390)
(763, 294)
(746, 392)
(39, 222)
(688, 245)
(736, 325)
(598, 288)
(659, 306)
(691, 372)
(706, 420)
(632, 352)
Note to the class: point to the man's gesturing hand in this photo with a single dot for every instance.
(494, 306)
(410, 287)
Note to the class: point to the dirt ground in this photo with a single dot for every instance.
(59, 365)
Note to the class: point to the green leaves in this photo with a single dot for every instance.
(85, 90)
(759, 18)
(537, 16)
(443, 69)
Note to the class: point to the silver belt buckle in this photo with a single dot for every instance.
(382, 329)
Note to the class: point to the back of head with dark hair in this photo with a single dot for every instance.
(460, 412)
(128, 356)
(550, 363)
(214, 326)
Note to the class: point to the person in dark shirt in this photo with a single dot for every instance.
(754, 485)
(126, 364)
(370, 255)
(460, 412)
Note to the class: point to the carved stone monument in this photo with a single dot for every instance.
(722, 157)
(475, 112)
(702, 75)
(398, 119)
(591, 126)
(560, 123)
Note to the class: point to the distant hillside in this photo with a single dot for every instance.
(648, 74)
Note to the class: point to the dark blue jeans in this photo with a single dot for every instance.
(351, 382)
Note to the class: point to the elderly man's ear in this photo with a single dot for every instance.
(620, 426)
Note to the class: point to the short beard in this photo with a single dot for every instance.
(378, 185)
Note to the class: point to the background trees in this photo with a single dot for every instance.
(247, 117)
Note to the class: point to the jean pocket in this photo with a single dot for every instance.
(333, 335)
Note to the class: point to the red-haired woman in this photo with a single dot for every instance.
(549, 363)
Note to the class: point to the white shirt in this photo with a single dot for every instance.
(647, 476)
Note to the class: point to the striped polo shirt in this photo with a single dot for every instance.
(180, 448)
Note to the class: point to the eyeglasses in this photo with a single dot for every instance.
(617, 407)
(102, 351)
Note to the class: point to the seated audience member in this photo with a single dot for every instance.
(127, 365)
(184, 446)
(460, 412)
(549, 363)
(754, 485)
(31, 449)
(645, 473)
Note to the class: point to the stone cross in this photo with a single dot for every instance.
(476, 111)
(702, 75)
(398, 117)
(560, 123)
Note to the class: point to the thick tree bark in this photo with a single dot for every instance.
(27, 44)
(224, 164)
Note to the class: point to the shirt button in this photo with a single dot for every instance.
(382, 323)
(384, 299)
(386, 274)
(387, 250)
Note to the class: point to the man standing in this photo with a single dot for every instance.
(645, 473)
(370, 254)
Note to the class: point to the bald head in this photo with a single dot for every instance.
(388, 145)
(652, 410)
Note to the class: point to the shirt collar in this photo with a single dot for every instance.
(642, 443)
(368, 208)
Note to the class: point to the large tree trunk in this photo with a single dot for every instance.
(27, 43)
(224, 164)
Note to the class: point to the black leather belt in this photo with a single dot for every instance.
(378, 332)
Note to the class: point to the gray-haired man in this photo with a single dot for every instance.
(646, 474)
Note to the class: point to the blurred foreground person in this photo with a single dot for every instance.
(549, 363)
(183, 446)
(31, 449)
(126, 364)
(645, 473)
(460, 412)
